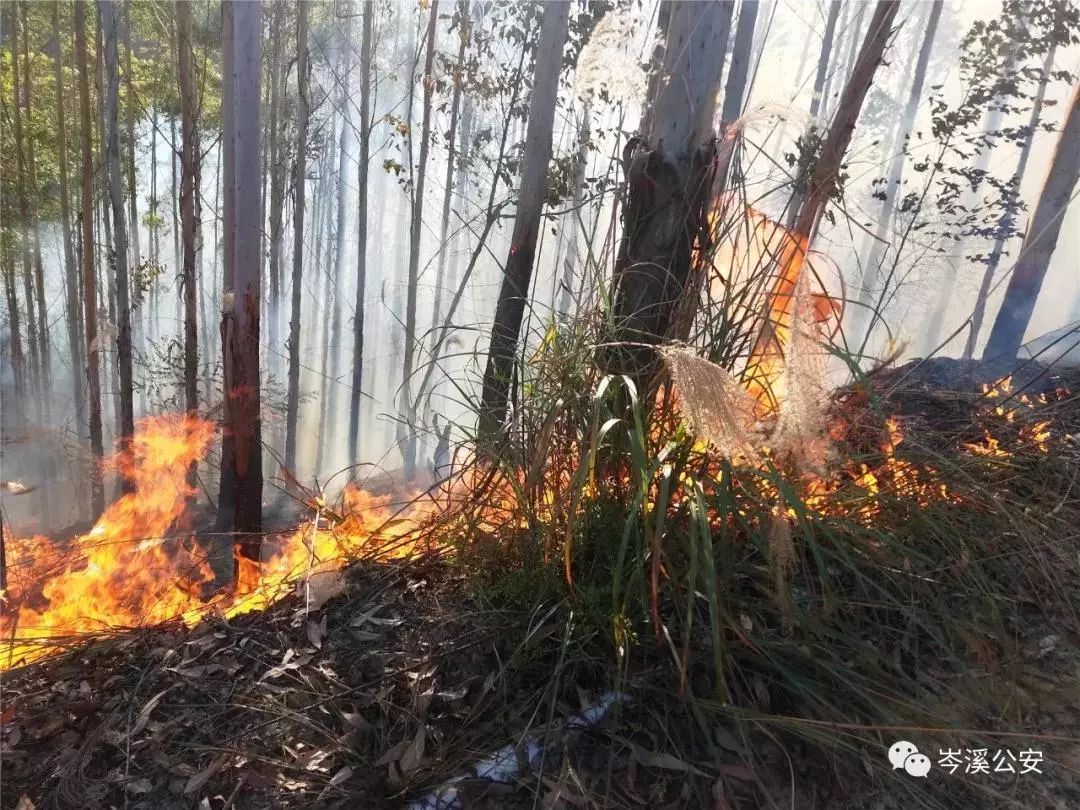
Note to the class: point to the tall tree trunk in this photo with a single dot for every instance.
(1011, 324)
(277, 182)
(577, 223)
(299, 185)
(1008, 217)
(93, 373)
(70, 269)
(531, 196)
(871, 275)
(133, 198)
(243, 217)
(35, 230)
(22, 180)
(451, 161)
(337, 282)
(326, 295)
(816, 100)
(18, 362)
(668, 181)
(126, 426)
(824, 58)
(741, 52)
(189, 189)
(414, 246)
(364, 159)
(763, 365)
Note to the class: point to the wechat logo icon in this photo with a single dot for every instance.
(904, 755)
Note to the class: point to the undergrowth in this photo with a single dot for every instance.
(826, 613)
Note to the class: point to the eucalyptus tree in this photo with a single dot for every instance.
(532, 194)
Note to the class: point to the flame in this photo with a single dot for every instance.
(139, 564)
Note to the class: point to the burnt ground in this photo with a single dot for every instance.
(402, 681)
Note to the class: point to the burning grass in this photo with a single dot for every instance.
(783, 600)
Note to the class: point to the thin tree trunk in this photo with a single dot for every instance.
(299, 182)
(416, 225)
(824, 55)
(97, 492)
(741, 53)
(333, 391)
(364, 159)
(893, 183)
(531, 196)
(451, 163)
(277, 182)
(762, 367)
(18, 362)
(326, 295)
(133, 198)
(241, 345)
(189, 189)
(1011, 324)
(1008, 217)
(70, 268)
(576, 222)
(126, 422)
(35, 230)
(24, 214)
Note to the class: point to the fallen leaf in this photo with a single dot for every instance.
(138, 787)
(410, 760)
(25, 803)
(204, 776)
(392, 754)
(144, 715)
(315, 633)
(340, 776)
(321, 587)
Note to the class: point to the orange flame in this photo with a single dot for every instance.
(129, 571)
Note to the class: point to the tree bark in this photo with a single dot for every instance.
(364, 159)
(416, 224)
(531, 197)
(668, 180)
(741, 53)
(299, 183)
(189, 189)
(1011, 324)
(93, 373)
(243, 218)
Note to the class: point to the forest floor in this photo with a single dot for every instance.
(410, 686)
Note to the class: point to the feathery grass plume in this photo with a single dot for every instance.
(800, 435)
(608, 63)
(719, 409)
